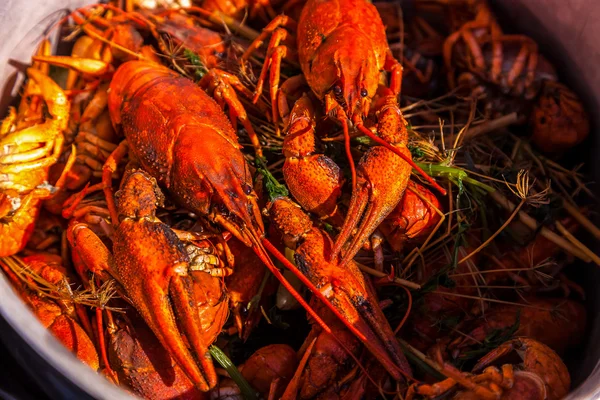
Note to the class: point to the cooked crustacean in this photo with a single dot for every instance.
(30, 143)
(541, 374)
(482, 57)
(411, 45)
(57, 315)
(345, 286)
(268, 370)
(326, 359)
(142, 363)
(558, 323)
(177, 271)
(243, 285)
(413, 219)
(559, 119)
(160, 288)
(341, 59)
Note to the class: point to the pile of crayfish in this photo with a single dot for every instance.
(300, 199)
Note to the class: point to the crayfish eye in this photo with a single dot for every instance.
(337, 90)
(363, 92)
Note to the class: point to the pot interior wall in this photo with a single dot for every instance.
(567, 35)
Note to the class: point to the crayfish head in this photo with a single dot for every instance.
(138, 196)
(345, 73)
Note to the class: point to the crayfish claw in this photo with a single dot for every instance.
(344, 287)
(181, 291)
(355, 292)
(167, 309)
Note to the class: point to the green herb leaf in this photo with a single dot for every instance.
(273, 187)
(494, 339)
(458, 176)
(200, 69)
(416, 151)
(328, 228)
(247, 391)
(367, 141)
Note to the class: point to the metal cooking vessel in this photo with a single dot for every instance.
(566, 29)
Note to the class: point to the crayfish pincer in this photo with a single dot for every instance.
(344, 286)
(163, 289)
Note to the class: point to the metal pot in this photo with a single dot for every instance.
(567, 30)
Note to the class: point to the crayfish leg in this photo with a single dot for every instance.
(279, 29)
(87, 66)
(222, 85)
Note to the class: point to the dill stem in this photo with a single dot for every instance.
(379, 274)
(494, 124)
(491, 238)
(561, 228)
(534, 226)
(581, 219)
(247, 390)
(415, 354)
(512, 303)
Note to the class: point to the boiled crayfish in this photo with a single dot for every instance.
(342, 48)
(541, 374)
(182, 241)
(30, 145)
(59, 316)
(488, 60)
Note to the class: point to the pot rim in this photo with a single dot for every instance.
(26, 325)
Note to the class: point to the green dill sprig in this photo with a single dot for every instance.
(455, 175)
(199, 68)
(416, 151)
(273, 187)
(247, 391)
(494, 339)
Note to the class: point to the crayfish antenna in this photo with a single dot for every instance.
(347, 147)
(261, 252)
